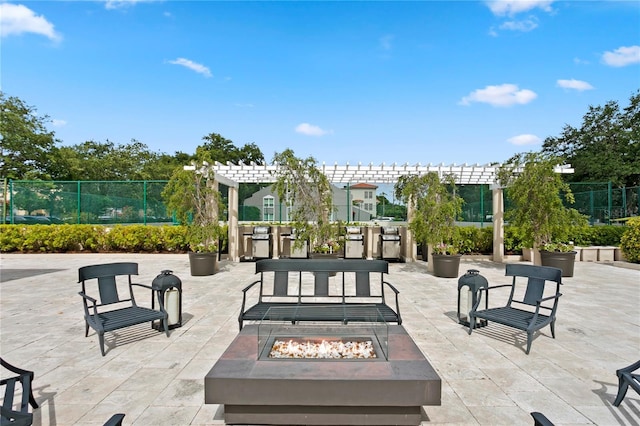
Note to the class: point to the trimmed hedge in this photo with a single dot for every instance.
(92, 238)
(172, 239)
(630, 240)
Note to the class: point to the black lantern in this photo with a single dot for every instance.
(468, 286)
(168, 288)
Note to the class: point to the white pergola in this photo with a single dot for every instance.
(232, 175)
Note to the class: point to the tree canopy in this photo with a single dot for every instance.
(606, 147)
(25, 141)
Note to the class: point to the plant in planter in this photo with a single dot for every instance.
(435, 206)
(543, 222)
(192, 197)
(307, 193)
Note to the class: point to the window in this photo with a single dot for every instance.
(268, 211)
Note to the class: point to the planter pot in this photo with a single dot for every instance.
(202, 264)
(446, 266)
(562, 260)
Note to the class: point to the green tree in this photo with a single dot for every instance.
(25, 142)
(536, 192)
(217, 148)
(605, 148)
(435, 204)
(93, 160)
(308, 192)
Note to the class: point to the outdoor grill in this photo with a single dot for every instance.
(261, 242)
(390, 242)
(353, 243)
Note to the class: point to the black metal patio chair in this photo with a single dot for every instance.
(627, 379)
(9, 414)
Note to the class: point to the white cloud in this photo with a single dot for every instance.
(58, 123)
(18, 19)
(194, 66)
(386, 42)
(501, 96)
(526, 139)
(622, 56)
(574, 84)
(513, 7)
(119, 4)
(524, 25)
(310, 130)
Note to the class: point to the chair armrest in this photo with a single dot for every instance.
(555, 296)
(94, 303)
(15, 369)
(629, 369)
(143, 285)
(244, 290)
(89, 298)
(395, 290)
(244, 295)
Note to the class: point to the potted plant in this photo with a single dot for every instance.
(434, 206)
(309, 198)
(191, 195)
(537, 211)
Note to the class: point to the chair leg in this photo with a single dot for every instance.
(622, 391)
(529, 341)
(166, 325)
(472, 323)
(86, 329)
(553, 329)
(101, 339)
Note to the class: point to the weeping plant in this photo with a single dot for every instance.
(307, 193)
(435, 206)
(193, 198)
(536, 193)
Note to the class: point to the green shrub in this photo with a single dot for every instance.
(630, 240)
(471, 239)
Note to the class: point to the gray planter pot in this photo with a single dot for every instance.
(561, 260)
(202, 264)
(445, 265)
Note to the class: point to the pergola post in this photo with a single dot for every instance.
(233, 246)
(498, 223)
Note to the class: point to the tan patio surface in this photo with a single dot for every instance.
(487, 378)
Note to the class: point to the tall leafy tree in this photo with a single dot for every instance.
(217, 148)
(25, 142)
(93, 160)
(606, 147)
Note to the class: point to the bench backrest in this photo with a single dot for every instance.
(537, 277)
(322, 269)
(106, 275)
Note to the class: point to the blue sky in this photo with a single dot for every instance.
(347, 82)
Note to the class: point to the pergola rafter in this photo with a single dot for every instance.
(350, 173)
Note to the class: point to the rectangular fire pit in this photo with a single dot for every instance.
(388, 389)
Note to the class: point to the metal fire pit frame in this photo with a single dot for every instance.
(323, 392)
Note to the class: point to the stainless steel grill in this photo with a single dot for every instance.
(261, 242)
(390, 242)
(353, 243)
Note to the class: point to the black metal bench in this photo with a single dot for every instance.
(113, 312)
(21, 416)
(533, 310)
(347, 300)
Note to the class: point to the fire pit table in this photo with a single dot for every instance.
(264, 376)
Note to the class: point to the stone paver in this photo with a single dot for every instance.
(487, 379)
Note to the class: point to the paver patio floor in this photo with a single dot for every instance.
(487, 378)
